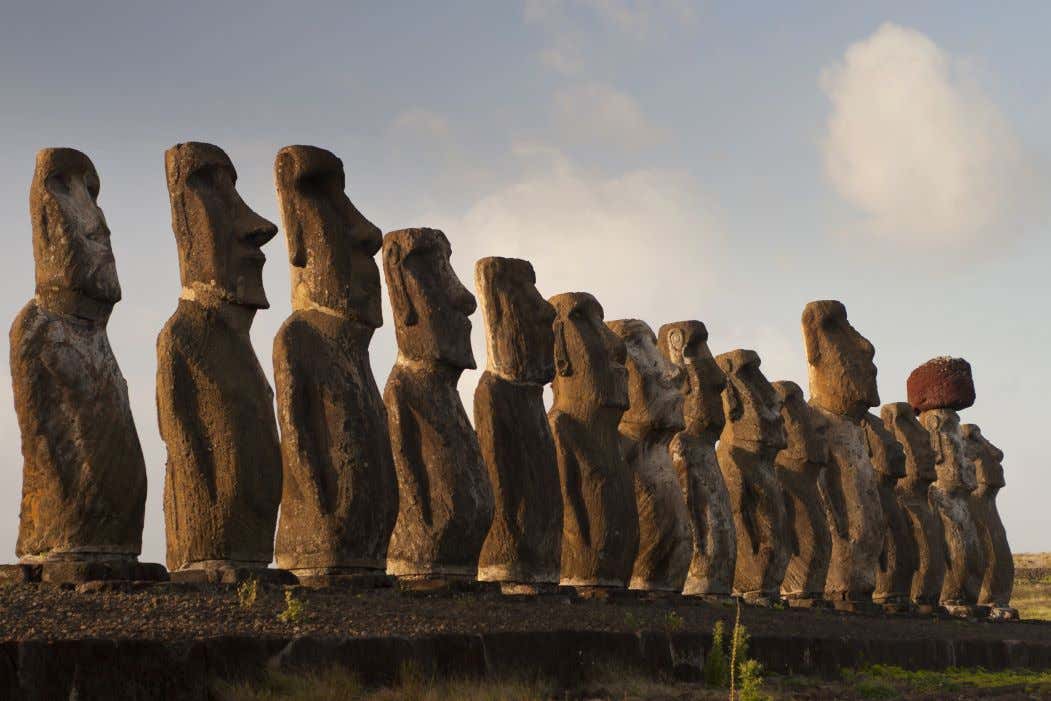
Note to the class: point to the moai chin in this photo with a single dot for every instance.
(933, 388)
(998, 582)
(899, 559)
(445, 500)
(753, 435)
(222, 485)
(653, 418)
(800, 468)
(600, 533)
(523, 547)
(714, 556)
(843, 388)
(913, 494)
(84, 477)
(340, 492)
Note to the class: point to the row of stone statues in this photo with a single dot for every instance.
(658, 467)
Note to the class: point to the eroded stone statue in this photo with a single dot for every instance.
(753, 435)
(647, 428)
(913, 493)
(899, 558)
(998, 582)
(600, 533)
(340, 493)
(523, 547)
(215, 407)
(84, 477)
(800, 469)
(445, 500)
(714, 557)
(843, 388)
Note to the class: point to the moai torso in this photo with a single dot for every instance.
(800, 469)
(998, 582)
(222, 485)
(937, 389)
(445, 500)
(647, 428)
(523, 546)
(752, 437)
(913, 494)
(842, 388)
(899, 559)
(600, 533)
(340, 493)
(84, 477)
(714, 552)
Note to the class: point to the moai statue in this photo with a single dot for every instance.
(998, 582)
(523, 547)
(711, 572)
(445, 500)
(340, 493)
(899, 559)
(653, 418)
(83, 476)
(937, 390)
(800, 469)
(843, 388)
(222, 487)
(600, 532)
(753, 435)
(913, 493)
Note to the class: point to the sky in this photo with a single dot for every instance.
(727, 162)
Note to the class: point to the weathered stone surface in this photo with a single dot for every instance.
(83, 475)
(714, 558)
(340, 492)
(913, 493)
(899, 559)
(600, 533)
(843, 388)
(222, 486)
(523, 546)
(445, 500)
(941, 383)
(998, 582)
(751, 439)
(950, 496)
(647, 428)
(800, 469)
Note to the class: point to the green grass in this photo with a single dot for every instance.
(887, 682)
(1033, 598)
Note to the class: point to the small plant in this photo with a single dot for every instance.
(751, 677)
(673, 621)
(293, 608)
(632, 621)
(716, 673)
(248, 592)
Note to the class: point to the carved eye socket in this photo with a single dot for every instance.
(57, 184)
(92, 183)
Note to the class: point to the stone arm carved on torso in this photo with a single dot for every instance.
(407, 447)
(832, 497)
(697, 498)
(563, 429)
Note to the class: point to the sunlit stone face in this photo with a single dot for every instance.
(841, 368)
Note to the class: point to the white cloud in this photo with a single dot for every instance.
(636, 16)
(599, 113)
(915, 144)
(421, 122)
(563, 57)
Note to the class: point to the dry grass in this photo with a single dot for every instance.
(1032, 592)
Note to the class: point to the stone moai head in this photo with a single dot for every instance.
(887, 454)
(987, 458)
(219, 237)
(806, 430)
(955, 470)
(685, 344)
(331, 245)
(431, 306)
(900, 419)
(654, 383)
(589, 358)
(519, 336)
(842, 374)
(71, 244)
(751, 404)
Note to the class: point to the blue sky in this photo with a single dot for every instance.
(726, 162)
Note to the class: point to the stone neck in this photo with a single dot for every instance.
(647, 432)
(431, 367)
(852, 416)
(511, 379)
(913, 484)
(355, 333)
(986, 491)
(703, 431)
(70, 303)
(589, 414)
(752, 450)
(236, 316)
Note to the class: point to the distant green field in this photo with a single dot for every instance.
(1032, 593)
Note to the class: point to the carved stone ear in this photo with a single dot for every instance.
(562, 362)
(400, 300)
(297, 250)
(938, 442)
(811, 344)
(735, 409)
